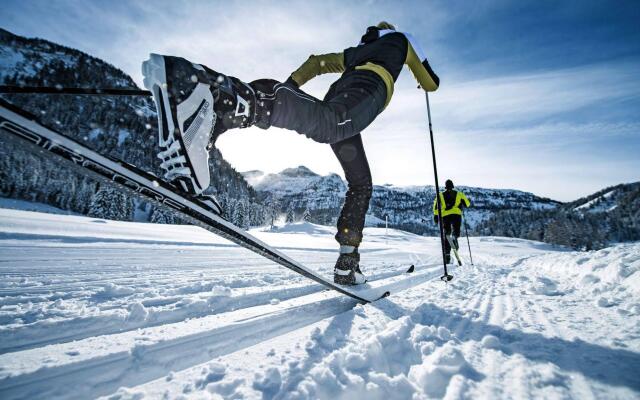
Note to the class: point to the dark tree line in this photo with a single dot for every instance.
(583, 229)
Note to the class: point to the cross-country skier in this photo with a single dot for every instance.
(196, 104)
(452, 203)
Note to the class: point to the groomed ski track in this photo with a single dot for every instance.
(235, 314)
(102, 308)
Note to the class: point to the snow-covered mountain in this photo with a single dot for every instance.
(608, 216)
(606, 200)
(406, 207)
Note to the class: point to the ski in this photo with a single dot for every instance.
(370, 285)
(18, 124)
(387, 284)
(455, 250)
(73, 91)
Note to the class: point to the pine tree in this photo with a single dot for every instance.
(306, 216)
(272, 211)
(111, 204)
(291, 216)
(159, 216)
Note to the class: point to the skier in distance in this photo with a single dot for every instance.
(196, 104)
(452, 203)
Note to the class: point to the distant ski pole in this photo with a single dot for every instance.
(446, 277)
(466, 231)
(73, 90)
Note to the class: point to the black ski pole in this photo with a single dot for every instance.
(446, 277)
(464, 221)
(73, 90)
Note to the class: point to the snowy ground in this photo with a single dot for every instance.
(92, 308)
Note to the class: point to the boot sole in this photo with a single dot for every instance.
(155, 80)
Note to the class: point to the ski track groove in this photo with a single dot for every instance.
(579, 385)
(133, 369)
(80, 329)
(148, 362)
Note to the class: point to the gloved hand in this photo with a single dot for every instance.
(435, 219)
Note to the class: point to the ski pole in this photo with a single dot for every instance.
(73, 90)
(446, 277)
(464, 221)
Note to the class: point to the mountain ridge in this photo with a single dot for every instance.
(406, 207)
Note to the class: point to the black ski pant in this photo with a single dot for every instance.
(451, 223)
(350, 105)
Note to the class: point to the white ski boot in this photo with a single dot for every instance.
(347, 269)
(195, 105)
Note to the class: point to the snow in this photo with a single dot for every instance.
(603, 203)
(92, 308)
(16, 204)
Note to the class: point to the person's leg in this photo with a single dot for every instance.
(446, 224)
(456, 221)
(352, 158)
(351, 104)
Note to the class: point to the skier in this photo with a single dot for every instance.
(196, 104)
(452, 203)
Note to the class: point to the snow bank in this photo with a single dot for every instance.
(611, 276)
(404, 360)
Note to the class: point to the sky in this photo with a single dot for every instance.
(541, 96)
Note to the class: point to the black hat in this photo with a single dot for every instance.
(448, 184)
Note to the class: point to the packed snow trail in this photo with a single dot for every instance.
(91, 307)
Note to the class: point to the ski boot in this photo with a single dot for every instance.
(347, 269)
(195, 105)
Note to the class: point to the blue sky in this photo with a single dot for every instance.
(542, 96)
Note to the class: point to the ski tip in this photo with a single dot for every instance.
(411, 269)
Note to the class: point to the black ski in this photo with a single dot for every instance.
(19, 125)
(73, 90)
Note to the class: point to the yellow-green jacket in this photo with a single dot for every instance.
(383, 51)
(452, 203)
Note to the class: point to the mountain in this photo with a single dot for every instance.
(117, 126)
(608, 216)
(407, 208)
(606, 200)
